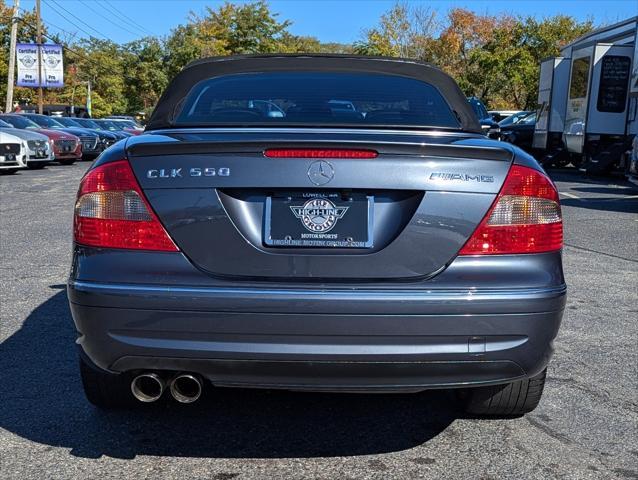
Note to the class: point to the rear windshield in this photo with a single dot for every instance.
(316, 99)
(479, 109)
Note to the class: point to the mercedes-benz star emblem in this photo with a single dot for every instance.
(320, 172)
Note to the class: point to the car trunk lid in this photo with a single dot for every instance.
(236, 212)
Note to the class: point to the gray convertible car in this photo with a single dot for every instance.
(386, 248)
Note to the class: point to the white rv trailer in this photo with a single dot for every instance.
(586, 108)
(552, 99)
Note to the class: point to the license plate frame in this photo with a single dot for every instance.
(342, 222)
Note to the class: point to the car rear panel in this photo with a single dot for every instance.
(428, 193)
(407, 313)
(315, 269)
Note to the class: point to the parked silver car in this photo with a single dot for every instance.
(39, 151)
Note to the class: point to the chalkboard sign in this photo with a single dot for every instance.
(614, 77)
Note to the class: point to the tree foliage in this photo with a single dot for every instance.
(494, 57)
(404, 31)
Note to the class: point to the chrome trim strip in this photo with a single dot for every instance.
(457, 345)
(346, 293)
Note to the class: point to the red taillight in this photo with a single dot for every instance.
(525, 217)
(112, 212)
(319, 153)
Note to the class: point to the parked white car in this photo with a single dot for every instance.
(39, 151)
(13, 153)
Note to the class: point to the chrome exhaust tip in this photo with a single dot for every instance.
(148, 387)
(186, 388)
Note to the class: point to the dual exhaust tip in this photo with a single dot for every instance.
(148, 387)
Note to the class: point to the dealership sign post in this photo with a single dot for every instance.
(51, 75)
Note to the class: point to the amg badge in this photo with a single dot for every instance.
(319, 215)
(461, 177)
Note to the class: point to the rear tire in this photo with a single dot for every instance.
(67, 162)
(509, 400)
(104, 390)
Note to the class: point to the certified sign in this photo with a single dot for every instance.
(52, 71)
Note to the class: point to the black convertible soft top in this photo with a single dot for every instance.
(171, 102)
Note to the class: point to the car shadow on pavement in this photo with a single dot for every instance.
(603, 204)
(42, 401)
(621, 193)
(624, 188)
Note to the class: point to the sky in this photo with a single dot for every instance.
(328, 20)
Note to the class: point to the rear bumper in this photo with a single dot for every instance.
(320, 338)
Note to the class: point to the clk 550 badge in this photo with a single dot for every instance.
(191, 172)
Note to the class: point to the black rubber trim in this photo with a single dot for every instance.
(334, 376)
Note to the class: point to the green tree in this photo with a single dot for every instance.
(146, 77)
(235, 29)
(101, 63)
(404, 31)
(243, 28)
(496, 58)
(227, 30)
(182, 46)
(289, 43)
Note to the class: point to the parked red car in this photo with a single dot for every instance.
(67, 148)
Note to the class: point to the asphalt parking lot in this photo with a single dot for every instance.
(585, 427)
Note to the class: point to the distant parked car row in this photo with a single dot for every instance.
(33, 141)
(512, 126)
(499, 115)
(488, 124)
(21, 148)
(518, 129)
(129, 123)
